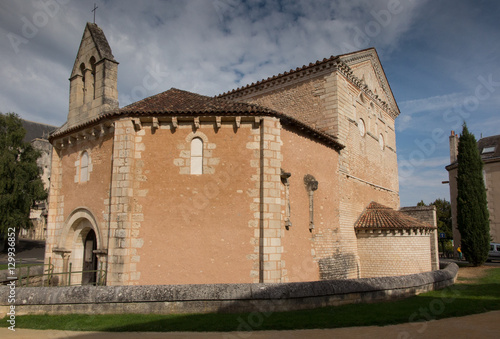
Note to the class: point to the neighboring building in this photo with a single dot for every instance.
(262, 184)
(37, 134)
(489, 149)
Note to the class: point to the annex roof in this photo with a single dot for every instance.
(377, 216)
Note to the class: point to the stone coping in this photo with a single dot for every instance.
(411, 284)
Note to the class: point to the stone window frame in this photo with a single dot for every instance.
(184, 160)
(381, 141)
(362, 127)
(79, 165)
(196, 156)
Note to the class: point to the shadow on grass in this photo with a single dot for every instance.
(453, 301)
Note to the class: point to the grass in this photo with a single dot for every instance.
(6, 266)
(471, 296)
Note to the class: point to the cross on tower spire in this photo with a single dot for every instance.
(93, 10)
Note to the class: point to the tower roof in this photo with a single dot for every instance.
(100, 41)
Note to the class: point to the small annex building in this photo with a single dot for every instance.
(266, 183)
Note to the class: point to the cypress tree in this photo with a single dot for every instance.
(472, 209)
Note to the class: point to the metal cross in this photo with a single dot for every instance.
(95, 7)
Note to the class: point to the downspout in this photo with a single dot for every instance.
(109, 204)
(261, 196)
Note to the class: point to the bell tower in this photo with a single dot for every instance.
(93, 81)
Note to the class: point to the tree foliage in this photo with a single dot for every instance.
(20, 182)
(472, 209)
(443, 215)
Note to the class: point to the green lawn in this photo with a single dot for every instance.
(469, 297)
(6, 266)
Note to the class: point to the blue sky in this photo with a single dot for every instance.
(441, 57)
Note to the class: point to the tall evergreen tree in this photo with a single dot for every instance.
(472, 209)
(20, 182)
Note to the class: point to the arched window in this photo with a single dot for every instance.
(381, 141)
(196, 156)
(84, 167)
(92, 82)
(82, 71)
(362, 127)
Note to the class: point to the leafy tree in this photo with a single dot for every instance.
(421, 203)
(472, 209)
(443, 215)
(20, 182)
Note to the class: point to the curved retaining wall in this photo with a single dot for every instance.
(169, 299)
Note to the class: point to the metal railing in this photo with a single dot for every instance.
(48, 277)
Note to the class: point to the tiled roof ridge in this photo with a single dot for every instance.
(332, 61)
(253, 107)
(378, 216)
(281, 75)
(228, 108)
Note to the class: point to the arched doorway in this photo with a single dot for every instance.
(89, 259)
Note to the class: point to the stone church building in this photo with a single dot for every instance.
(292, 178)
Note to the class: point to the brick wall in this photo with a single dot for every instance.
(76, 207)
(312, 254)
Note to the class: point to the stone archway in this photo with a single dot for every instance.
(81, 230)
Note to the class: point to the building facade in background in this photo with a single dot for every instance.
(37, 134)
(489, 149)
(265, 183)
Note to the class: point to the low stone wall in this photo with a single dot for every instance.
(170, 299)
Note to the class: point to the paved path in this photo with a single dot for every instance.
(485, 325)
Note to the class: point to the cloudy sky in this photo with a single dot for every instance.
(441, 57)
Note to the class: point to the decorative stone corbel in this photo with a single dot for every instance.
(218, 122)
(156, 124)
(175, 123)
(238, 122)
(137, 124)
(72, 141)
(196, 122)
(110, 126)
(58, 144)
(257, 121)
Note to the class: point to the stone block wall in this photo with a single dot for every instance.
(221, 298)
(393, 253)
(78, 206)
(492, 180)
(427, 214)
(93, 90)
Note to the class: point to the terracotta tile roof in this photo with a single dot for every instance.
(377, 216)
(176, 102)
(183, 102)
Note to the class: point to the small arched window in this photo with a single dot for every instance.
(362, 127)
(381, 141)
(82, 71)
(93, 69)
(84, 167)
(196, 156)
